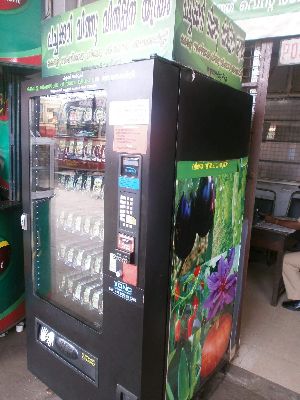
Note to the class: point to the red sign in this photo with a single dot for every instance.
(130, 274)
(11, 4)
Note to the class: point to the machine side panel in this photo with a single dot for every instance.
(214, 120)
(157, 237)
(211, 170)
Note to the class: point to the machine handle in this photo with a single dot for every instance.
(24, 222)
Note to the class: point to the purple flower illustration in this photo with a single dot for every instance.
(221, 285)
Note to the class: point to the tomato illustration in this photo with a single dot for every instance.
(215, 344)
(177, 330)
(195, 304)
(197, 271)
(177, 291)
(190, 325)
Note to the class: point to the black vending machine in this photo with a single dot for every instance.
(133, 186)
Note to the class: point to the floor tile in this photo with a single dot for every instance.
(270, 335)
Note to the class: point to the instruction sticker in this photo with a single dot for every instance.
(123, 290)
(133, 112)
(130, 139)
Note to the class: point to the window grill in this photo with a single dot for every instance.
(280, 147)
(252, 62)
(251, 70)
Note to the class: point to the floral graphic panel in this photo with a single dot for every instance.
(209, 207)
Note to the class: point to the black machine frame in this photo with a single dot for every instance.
(189, 115)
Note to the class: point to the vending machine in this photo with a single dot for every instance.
(12, 287)
(133, 187)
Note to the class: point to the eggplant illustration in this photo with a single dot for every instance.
(203, 206)
(185, 234)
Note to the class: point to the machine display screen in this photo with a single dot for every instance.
(130, 167)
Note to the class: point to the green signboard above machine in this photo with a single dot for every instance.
(264, 18)
(193, 32)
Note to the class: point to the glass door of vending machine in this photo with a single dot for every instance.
(67, 181)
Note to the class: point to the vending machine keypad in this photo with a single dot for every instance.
(129, 183)
(128, 211)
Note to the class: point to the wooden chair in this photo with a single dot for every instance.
(293, 209)
(265, 201)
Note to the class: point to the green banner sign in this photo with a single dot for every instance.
(241, 9)
(197, 169)
(193, 32)
(264, 18)
(209, 41)
(103, 33)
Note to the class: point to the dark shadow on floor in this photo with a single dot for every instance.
(238, 384)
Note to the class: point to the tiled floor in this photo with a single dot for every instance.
(239, 384)
(270, 337)
(16, 382)
(270, 347)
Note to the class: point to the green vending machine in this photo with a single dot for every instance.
(19, 57)
(12, 305)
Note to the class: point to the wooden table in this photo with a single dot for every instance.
(274, 239)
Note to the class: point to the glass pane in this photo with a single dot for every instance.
(67, 184)
(42, 158)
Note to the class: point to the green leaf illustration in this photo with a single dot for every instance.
(170, 356)
(169, 392)
(183, 378)
(195, 362)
